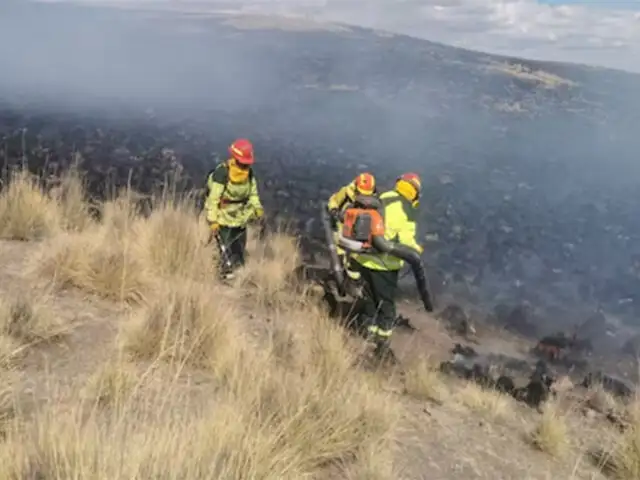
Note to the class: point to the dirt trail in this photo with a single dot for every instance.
(90, 342)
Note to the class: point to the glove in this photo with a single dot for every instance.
(259, 213)
(334, 214)
(214, 227)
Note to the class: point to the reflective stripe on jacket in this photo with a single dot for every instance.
(400, 226)
(234, 205)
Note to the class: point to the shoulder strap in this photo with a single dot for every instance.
(219, 174)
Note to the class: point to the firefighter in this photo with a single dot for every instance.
(380, 271)
(363, 184)
(232, 202)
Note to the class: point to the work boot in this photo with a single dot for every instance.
(383, 352)
(371, 331)
(226, 274)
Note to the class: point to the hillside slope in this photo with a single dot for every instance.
(122, 358)
(530, 168)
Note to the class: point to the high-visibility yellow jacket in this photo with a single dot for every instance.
(342, 197)
(400, 226)
(231, 204)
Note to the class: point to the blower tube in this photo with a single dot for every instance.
(333, 252)
(412, 257)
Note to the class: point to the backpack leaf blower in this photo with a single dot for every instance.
(363, 232)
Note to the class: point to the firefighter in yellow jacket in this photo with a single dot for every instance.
(363, 184)
(379, 271)
(232, 202)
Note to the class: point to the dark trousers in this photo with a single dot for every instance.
(235, 241)
(379, 302)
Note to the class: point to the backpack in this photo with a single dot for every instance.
(361, 221)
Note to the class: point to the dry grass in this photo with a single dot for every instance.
(69, 197)
(251, 381)
(188, 324)
(264, 419)
(97, 261)
(551, 435)
(167, 435)
(492, 404)
(373, 462)
(112, 384)
(623, 458)
(124, 256)
(268, 274)
(29, 212)
(29, 319)
(26, 211)
(424, 382)
(171, 242)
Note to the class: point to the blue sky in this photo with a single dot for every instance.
(595, 32)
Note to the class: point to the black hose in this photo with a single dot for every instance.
(412, 257)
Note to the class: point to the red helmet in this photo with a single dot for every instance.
(242, 151)
(365, 184)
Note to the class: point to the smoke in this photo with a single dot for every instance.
(97, 55)
(530, 173)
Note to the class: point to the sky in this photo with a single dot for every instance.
(594, 32)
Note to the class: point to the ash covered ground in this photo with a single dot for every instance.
(530, 169)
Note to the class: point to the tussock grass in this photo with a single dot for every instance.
(601, 401)
(112, 384)
(186, 324)
(264, 420)
(28, 318)
(623, 457)
(489, 403)
(171, 242)
(26, 211)
(30, 212)
(179, 439)
(423, 381)
(373, 462)
(8, 388)
(96, 261)
(69, 196)
(269, 272)
(551, 435)
(284, 401)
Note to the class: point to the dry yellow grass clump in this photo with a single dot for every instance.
(424, 382)
(492, 404)
(622, 458)
(198, 383)
(551, 435)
